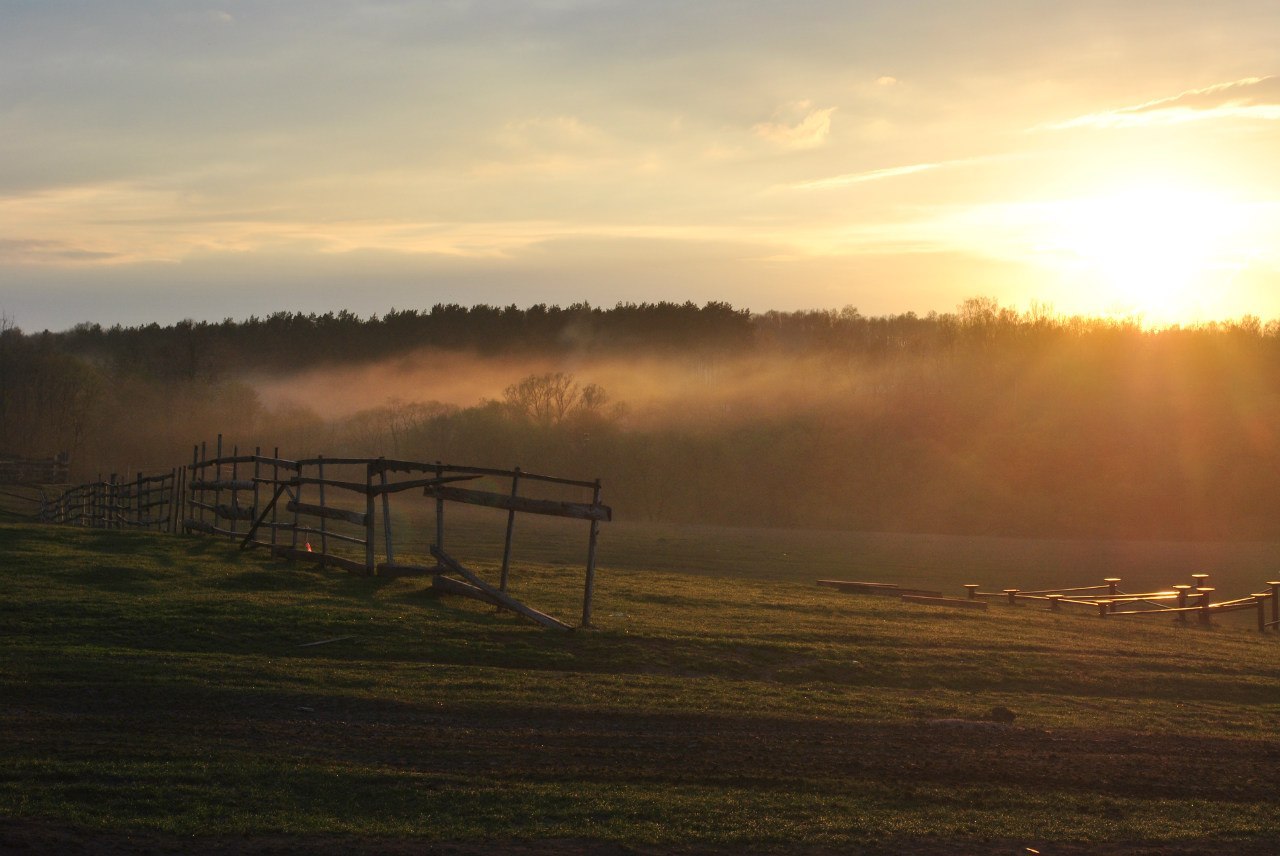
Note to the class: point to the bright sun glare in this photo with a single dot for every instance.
(1160, 252)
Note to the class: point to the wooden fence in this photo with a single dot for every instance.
(1178, 602)
(19, 470)
(332, 511)
(24, 502)
(146, 502)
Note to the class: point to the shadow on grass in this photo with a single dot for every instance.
(123, 579)
(269, 580)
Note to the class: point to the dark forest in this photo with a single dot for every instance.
(979, 421)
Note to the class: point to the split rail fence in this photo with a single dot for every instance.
(333, 512)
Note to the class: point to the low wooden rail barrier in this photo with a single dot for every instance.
(1179, 601)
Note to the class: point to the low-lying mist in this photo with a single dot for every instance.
(655, 392)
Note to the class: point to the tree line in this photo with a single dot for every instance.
(983, 420)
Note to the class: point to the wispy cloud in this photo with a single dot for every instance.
(806, 129)
(859, 177)
(37, 251)
(845, 179)
(1250, 98)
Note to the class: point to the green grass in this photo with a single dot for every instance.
(155, 685)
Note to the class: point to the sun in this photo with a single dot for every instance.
(1162, 252)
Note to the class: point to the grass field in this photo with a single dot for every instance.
(159, 693)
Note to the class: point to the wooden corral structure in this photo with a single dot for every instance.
(333, 512)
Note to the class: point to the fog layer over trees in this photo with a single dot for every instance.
(979, 421)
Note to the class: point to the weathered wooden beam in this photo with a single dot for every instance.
(500, 598)
(153, 479)
(393, 570)
(396, 487)
(576, 510)
(954, 602)
(842, 583)
(878, 589)
(222, 484)
(1234, 606)
(355, 517)
(358, 487)
(388, 465)
(259, 523)
(1068, 590)
(228, 459)
(207, 528)
(234, 512)
(304, 531)
(448, 585)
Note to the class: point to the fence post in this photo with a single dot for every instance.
(439, 512)
(204, 458)
(369, 566)
(1261, 601)
(183, 495)
(113, 502)
(1182, 589)
(590, 586)
(1204, 592)
(972, 588)
(257, 473)
(217, 480)
(1275, 603)
(235, 490)
(1113, 589)
(386, 516)
(275, 486)
(1013, 596)
(511, 523)
(324, 528)
(297, 499)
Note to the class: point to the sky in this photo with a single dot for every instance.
(168, 160)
